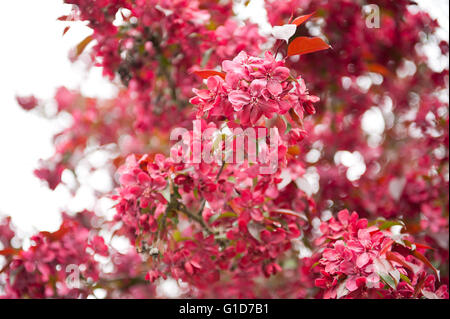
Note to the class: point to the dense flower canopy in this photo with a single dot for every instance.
(340, 211)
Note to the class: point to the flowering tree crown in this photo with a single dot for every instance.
(241, 164)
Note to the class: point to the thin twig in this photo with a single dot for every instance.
(220, 171)
(198, 218)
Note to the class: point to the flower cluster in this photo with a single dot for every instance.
(403, 165)
(377, 143)
(44, 269)
(251, 88)
(361, 261)
(141, 185)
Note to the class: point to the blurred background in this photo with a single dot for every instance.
(34, 59)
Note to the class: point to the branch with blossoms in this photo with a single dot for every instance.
(205, 208)
(250, 91)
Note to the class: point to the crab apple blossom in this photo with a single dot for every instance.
(41, 270)
(308, 164)
(360, 260)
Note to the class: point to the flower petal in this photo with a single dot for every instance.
(239, 98)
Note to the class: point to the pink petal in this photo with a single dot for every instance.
(127, 179)
(351, 284)
(213, 82)
(330, 254)
(203, 94)
(268, 107)
(255, 115)
(144, 178)
(265, 235)
(256, 215)
(373, 278)
(188, 267)
(301, 87)
(257, 86)
(245, 115)
(231, 66)
(344, 217)
(362, 260)
(284, 106)
(274, 87)
(239, 99)
(280, 73)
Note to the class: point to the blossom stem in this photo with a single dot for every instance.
(198, 218)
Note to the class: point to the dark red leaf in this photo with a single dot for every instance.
(303, 45)
(66, 29)
(393, 257)
(378, 68)
(302, 19)
(386, 247)
(57, 235)
(83, 44)
(204, 74)
(426, 262)
(423, 246)
(420, 284)
(9, 252)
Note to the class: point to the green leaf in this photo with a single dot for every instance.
(389, 223)
(178, 237)
(388, 280)
(288, 128)
(315, 265)
(224, 215)
(405, 278)
(228, 214)
(290, 264)
(196, 193)
(291, 213)
(386, 272)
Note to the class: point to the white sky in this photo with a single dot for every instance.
(33, 60)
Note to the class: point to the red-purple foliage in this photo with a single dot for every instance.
(226, 230)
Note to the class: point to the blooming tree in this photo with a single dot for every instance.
(241, 164)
